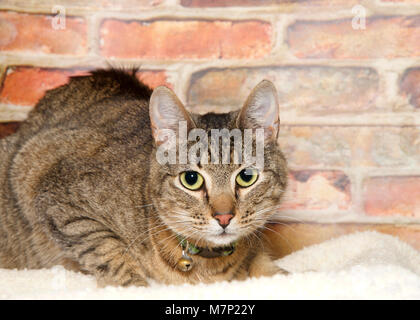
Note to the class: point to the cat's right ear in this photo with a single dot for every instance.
(166, 112)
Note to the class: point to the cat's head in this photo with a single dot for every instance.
(216, 203)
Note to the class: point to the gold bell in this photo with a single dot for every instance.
(185, 263)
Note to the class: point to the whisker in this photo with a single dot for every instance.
(279, 234)
(147, 233)
(142, 233)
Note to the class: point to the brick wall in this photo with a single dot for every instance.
(349, 91)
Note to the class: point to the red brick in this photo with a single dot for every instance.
(154, 78)
(284, 239)
(188, 39)
(351, 146)
(8, 128)
(304, 89)
(34, 33)
(122, 4)
(289, 4)
(404, 1)
(47, 5)
(386, 196)
(26, 85)
(317, 190)
(228, 3)
(410, 86)
(384, 37)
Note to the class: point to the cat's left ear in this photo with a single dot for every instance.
(166, 112)
(261, 110)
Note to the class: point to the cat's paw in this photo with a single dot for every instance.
(268, 271)
(127, 281)
(263, 266)
(281, 271)
(121, 271)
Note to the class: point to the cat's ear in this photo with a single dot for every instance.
(261, 110)
(166, 112)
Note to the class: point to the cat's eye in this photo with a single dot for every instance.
(191, 180)
(247, 177)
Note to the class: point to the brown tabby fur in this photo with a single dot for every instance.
(80, 187)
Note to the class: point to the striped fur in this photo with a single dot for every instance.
(80, 187)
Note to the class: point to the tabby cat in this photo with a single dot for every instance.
(80, 186)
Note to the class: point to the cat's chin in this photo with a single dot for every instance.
(222, 239)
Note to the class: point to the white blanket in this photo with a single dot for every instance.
(366, 265)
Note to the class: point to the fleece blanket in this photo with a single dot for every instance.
(366, 265)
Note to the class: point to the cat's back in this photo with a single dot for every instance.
(106, 109)
(106, 106)
(89, 101)
(92, 123)
(103, 113)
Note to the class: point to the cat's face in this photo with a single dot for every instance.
(218, 203)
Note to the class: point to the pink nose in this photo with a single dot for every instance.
(223, 219)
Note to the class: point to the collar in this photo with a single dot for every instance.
(206, 252)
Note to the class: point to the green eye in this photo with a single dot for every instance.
(191, 180)
(247, 177)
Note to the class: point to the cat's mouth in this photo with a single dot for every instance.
(217, 235)
(223, 238)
